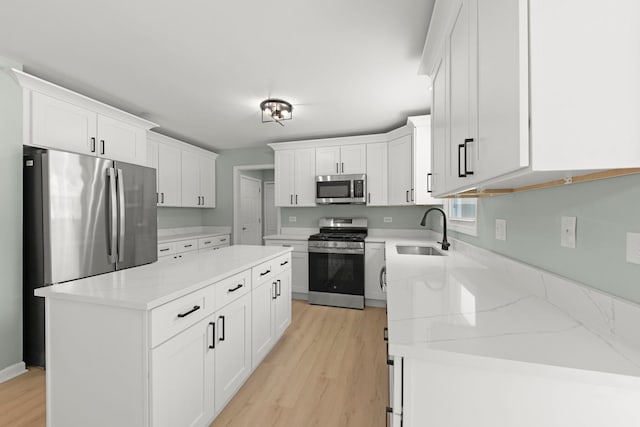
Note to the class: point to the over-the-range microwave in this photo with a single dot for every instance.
(335, 189)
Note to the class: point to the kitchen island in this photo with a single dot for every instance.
(479, 339)
(165, 344)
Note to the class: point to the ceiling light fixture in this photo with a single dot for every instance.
(276, 110)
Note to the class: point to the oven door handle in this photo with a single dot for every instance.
(351, 251)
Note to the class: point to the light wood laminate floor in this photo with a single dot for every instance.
(327, 370)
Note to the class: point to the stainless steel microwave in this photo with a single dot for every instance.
(335, 189)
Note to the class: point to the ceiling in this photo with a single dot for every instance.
(200, 68)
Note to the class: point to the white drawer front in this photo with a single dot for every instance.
(210, 242)
(166, 249)
(232, 288)
(175, 316)
(263, 272)
(283, 262)
(186, 246)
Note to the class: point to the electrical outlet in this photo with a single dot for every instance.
(388, 219)
(568, 232)
(633, 248)
(501, 229)
(292, 219)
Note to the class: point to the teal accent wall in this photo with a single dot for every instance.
(10, 217)
(403, 217)
(179, 217)
(606, 210)
(222, 215)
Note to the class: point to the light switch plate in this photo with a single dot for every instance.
(501, 229)
(568, 232)
(292, 219)
(633, 248)
(388, 219)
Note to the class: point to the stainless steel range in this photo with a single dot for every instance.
(336, 263)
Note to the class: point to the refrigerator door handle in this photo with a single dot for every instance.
(113, 212)
(121, 221)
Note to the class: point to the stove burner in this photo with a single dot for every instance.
(340, 237)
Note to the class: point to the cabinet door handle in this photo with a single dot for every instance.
(235, 289)
(460, 173)
(187, 246)
(337, 170)
(208, 242)
(265, 272)
(93, 145)
(412, 194)
(291, 199)
(213, 335)
(102, 146)
(221, 336)
(164, 249)
(198, 200)
(386, 334)
(202, 200)
(407, 196)
(279, 288)
(342, 167)
(186, 313)
(223, 240)
(466, 171)
(162, 194)
(383, 278)
(274, 292)
(429, 178)
(284, 263)
(369, 197)
(296, 199)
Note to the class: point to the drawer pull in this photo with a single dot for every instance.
(164, 249)
(286, 246)
(265, 273)
(194, 309)
(284, 263)
(235, 289)
(187, 246)
(223, 240)
(208, 242)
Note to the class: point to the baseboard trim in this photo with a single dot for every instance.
(12, 371)
(375, 303)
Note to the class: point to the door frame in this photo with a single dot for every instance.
(236, 196)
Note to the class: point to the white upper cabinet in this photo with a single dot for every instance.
(400, 170)
(185, 174)
(337, 160)
(377, 174)
(61, 119)
(295, 177)
(518, 105)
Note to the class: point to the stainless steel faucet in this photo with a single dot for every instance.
(445, 244)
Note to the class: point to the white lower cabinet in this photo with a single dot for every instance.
(374, 271)
(283, 303)
(233, 349)
(182, 372)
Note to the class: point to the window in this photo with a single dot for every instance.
(462, 214)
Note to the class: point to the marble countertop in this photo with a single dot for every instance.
(453, 306)
(188, 236)
(151, 285)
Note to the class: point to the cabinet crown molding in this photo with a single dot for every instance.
(158, 137)
(27, 81)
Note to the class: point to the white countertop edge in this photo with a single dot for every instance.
(300, 237)
(517, 367)
(51, 291)
(179, 237)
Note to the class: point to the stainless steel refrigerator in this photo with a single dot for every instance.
(83, 216)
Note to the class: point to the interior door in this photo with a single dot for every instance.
(137, 233)
(270, 219)
(250, 211)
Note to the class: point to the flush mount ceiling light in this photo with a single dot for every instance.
(276, 110)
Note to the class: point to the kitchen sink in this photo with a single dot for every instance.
(418, 250)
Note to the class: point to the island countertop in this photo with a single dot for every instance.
(454, 307)
(149, 286)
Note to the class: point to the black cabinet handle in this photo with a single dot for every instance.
(266, 272)
(162, 194)
(213, 335)
(369, 197)
(279, 288)
(291, 199)
(337, 169)
(284, 263)
(412, 194)
(185, 314)
(164, 249)
(221, 318)
(296, 199)
(466, 171)
(235, 289)
(429, 178)
(460, 148)
(202, 200)
(386, 334)
(102, 146)
(274, 292)
(223, 240)
(187, 246)
(407, 196)
(93, 145)
(342, 167)
(208, 242)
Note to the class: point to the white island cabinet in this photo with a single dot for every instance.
(165, 344)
